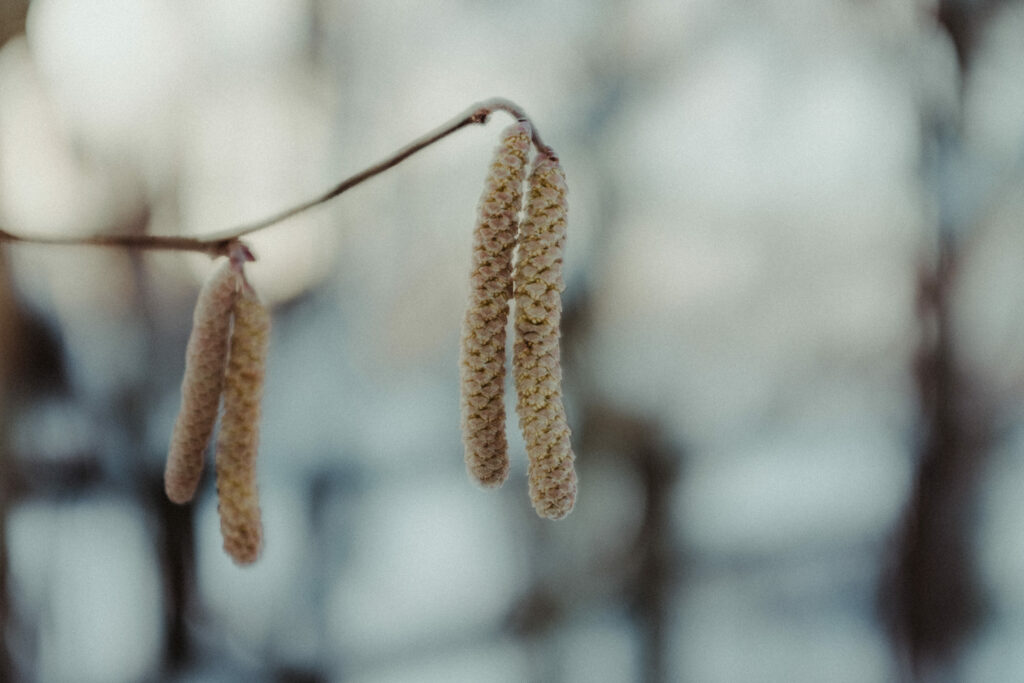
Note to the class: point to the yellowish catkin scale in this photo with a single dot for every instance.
(238, 439)
(201, 387)
(483, 333)
(538, 284)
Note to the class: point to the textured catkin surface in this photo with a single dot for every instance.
(238, 439)
(482, 364)
(201, 387)
(538, 284)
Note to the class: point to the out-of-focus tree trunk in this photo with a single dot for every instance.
(8, 351)
(12, 23)
(931, 595)
(12, 19)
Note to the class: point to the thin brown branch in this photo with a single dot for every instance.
(130, 241)
(219, 243)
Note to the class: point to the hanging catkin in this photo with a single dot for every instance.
(238, 439)
(205, 359)
(538, 284)
(483, 335)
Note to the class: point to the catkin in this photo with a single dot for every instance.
(201, 387)
(538, 284)
(483, 334)
(238, 439)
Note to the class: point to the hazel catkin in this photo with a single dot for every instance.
(201, 387)
(238, 439)
(482, 365)
(538, 283)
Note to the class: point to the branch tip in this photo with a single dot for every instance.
(480, 115)
(239, 253)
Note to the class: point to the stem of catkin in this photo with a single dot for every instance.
(238, 439)
(205, 359)
(538, 284)
(483, 333)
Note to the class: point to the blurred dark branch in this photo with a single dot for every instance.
(653, 569)
(643, 568)
(177, 554)
(931, 595)
(25, 345)
(8, 341)
(175, 541)
(963, 21)
(12, 19)
(12, 23)
(220, 243)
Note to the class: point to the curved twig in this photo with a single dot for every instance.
(219, 243)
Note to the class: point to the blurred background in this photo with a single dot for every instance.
(793, 341)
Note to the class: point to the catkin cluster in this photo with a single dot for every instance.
(226, 357)
(535, 283)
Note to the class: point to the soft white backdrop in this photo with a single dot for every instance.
(747, 216)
